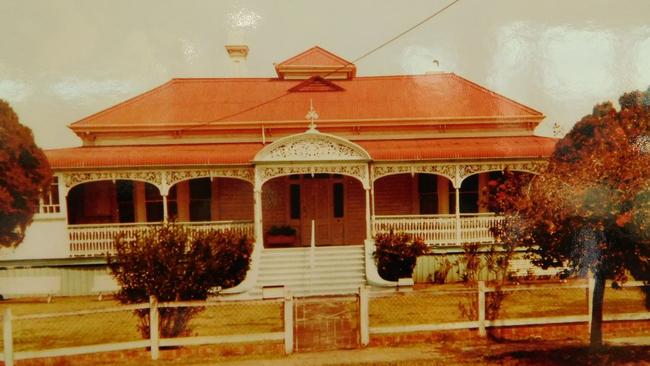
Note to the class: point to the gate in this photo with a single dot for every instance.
(326, 323)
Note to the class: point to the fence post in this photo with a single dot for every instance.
(153, 326)
(590, 297)
(288, 322)
(8, 339)
(481, 308)
(364, 321)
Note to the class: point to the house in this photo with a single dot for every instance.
(338, 157)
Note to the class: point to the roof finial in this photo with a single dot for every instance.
(312, 116)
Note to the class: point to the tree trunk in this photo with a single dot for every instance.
(596, 338)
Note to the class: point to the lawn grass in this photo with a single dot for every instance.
(239, 318)
(444, 303)
(416, 307)
(431, 305)
(122, 326)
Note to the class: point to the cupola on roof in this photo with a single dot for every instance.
(316, 62)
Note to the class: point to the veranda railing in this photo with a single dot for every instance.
(98, 239)
(441, 230)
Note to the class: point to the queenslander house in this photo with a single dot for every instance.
(334, 156)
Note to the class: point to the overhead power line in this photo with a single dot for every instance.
(271, 100)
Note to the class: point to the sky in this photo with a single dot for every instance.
(63, 60)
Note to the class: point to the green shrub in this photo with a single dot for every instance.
(174, 264)
(397, 253)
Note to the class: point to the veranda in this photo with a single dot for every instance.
(443, 209)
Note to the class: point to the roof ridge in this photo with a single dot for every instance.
(124, 103)
(185, 79)
(397, 76)
(275, 78)
(495, 94)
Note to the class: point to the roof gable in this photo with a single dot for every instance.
(316, 61)
(316, 84)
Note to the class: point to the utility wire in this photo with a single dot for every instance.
(382, 45)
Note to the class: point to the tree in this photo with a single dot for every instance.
(174, 264)
(24, 174)
(590, 209)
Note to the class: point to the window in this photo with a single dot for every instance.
(294, 201)
(49, 203)
(338, 200)
(125, 201)
(154, 203)
(428, 192)
(200, 199)
(468, 196)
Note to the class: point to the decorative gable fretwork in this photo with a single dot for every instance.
(71, 179)
(244, 173)
(358, 171)
(162, 179)
(311, 146)
(532, 166)
(446, 170)
(456, 172)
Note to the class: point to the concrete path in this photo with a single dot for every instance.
(628, 341)
(429, 353)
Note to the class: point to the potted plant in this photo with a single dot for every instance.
(281, 235)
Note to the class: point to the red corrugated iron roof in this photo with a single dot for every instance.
(152, 155)
(221, 102)
(243, 153)
(460, 148)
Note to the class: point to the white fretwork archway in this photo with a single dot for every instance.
(311, 152)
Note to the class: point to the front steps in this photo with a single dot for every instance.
(336, 270)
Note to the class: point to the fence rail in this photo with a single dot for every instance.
(440, 230)
(556, 303)
(220, 322)
(98, 239)
(379, 313)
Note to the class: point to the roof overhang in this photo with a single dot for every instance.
(304, 148)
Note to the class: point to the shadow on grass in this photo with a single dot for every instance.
(576, 355)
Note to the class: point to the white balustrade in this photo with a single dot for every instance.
(476, 228)
(98, 239)
(440, 230)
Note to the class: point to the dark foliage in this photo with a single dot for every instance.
(590, 209)
(176, 265)
(397, 253)
(24, 174)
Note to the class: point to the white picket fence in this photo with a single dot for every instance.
(284, 308)
(284, 314)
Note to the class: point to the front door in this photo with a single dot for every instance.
(322, 201)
